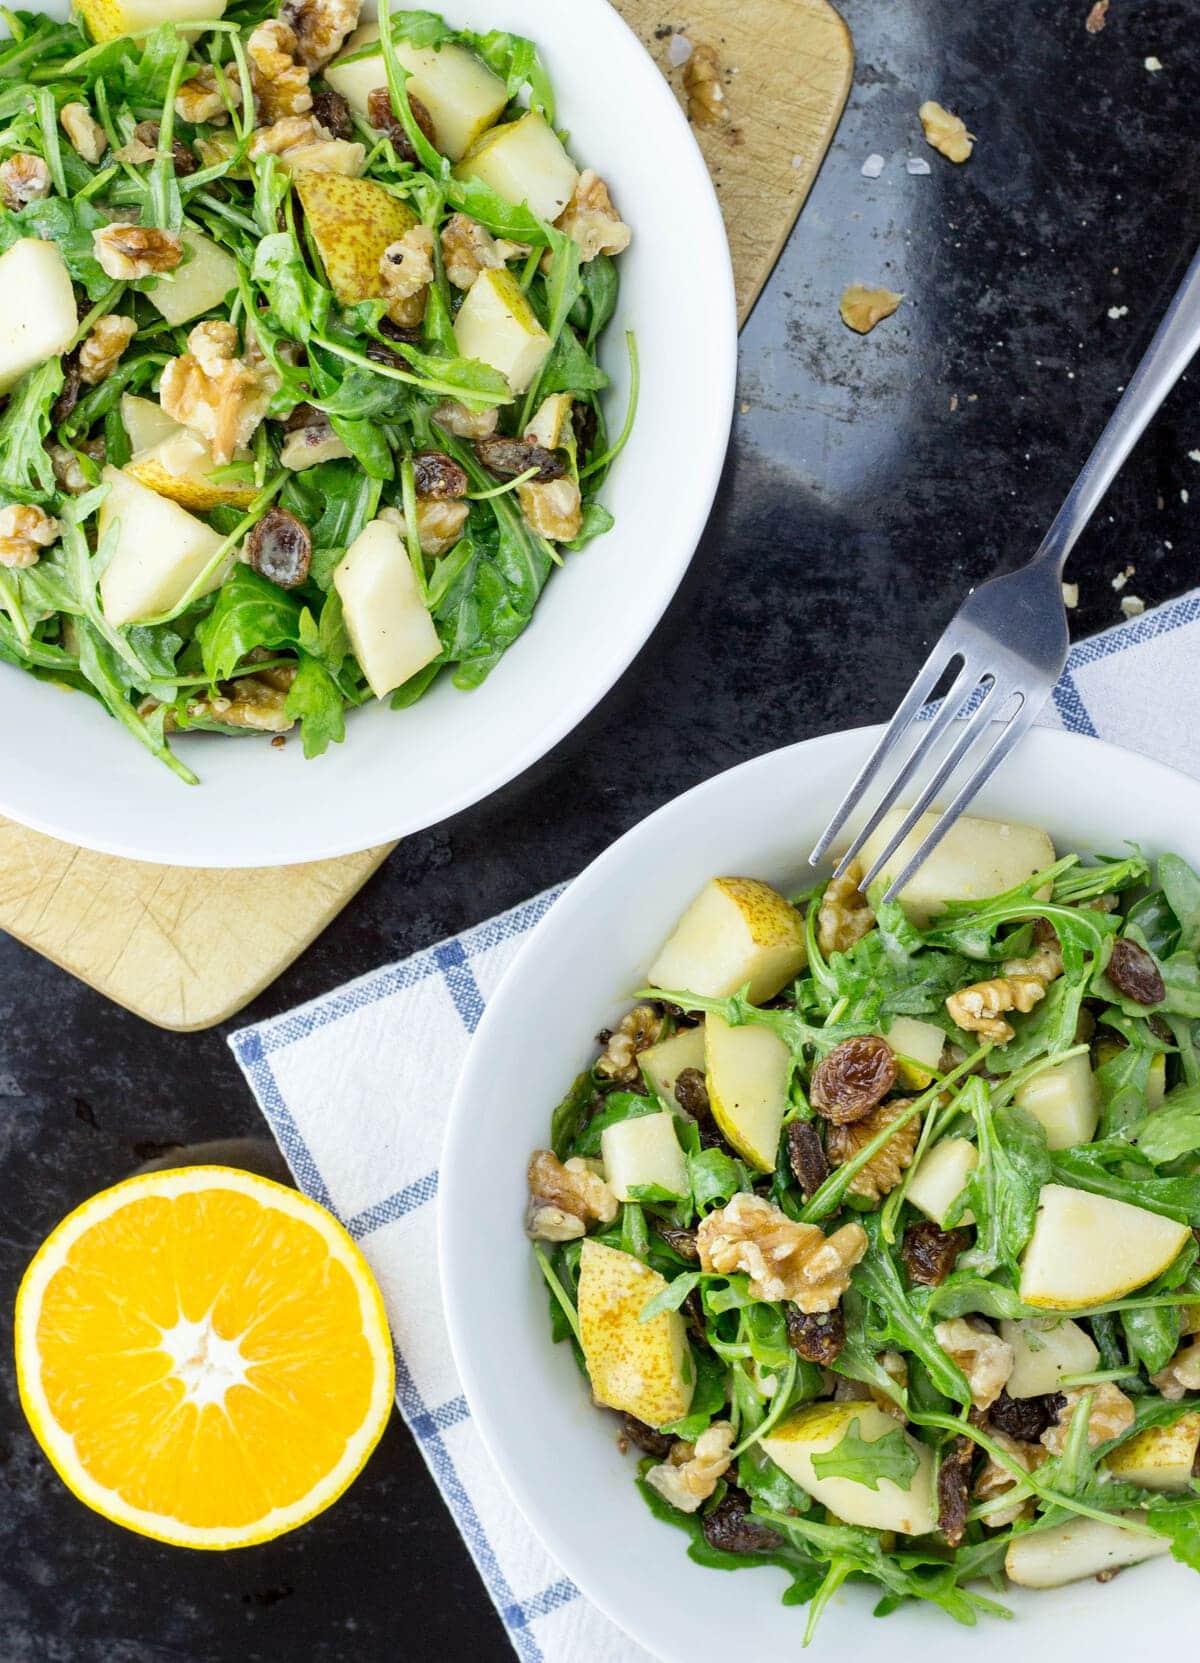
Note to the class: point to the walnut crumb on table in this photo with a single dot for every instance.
(947, 133)
(1097, 17)
(862, 308)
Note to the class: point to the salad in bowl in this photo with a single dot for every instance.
(301, 321)
(872, 1226)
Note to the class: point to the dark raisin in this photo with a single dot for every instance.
(510, 457)
(806, 1156)
(691, 1093)
(732, 1528)
(929, 1253)
(333, 112)
(409, 334)
(1026, 1418)
(384, 119)
(66, 401)
(654, 1442)
(682, 1242)
(586, 425)
(185, 159)
(280, 548)
(1134, 973)
(818, 1336)
(693, 1309)
(954, 1489)
(853, 1079)
(437, 475)
(304, 415)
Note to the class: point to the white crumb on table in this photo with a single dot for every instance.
(679, 51)
(1153, 65)
(917, 164)
(1070, 595)
(1132, 606)
(1118, 311)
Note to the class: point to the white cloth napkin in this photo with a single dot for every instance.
(356, 1085)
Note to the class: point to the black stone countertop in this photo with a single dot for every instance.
(869, 482)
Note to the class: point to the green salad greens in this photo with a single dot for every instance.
(302, 402)
(877, 1225)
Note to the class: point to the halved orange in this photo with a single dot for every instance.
(204, 1356)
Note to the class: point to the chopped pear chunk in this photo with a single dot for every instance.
(1044, 1349)
(1087, 1249)
(460, 92)
(737, 930)
(1076, 1549)
(198, 285)
(145, 421)
(662, 1064)
(387, 620)
(160, 551)
(110, 19)
(1064, 1100)
(748, 1074)
(976, 859)
(643, 1153)
(941, 1178)
(643, 1368)
(818, 1428)
(920, 1043)
(1160, 1458)
(496, 325)
(38, 319)
(524, 161)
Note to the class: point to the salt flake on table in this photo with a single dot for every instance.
(1070, 594)
(679, 51)
(917, 164)
(1133, 606)
(873, 166)
(1153, 65)
(1118, 311)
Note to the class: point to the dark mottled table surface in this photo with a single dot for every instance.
(869, 482)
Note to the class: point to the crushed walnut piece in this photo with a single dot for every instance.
(469, 248)
(979, 1009)
(707, 105)
(886, 1167)
(592, 221)
(88, 138)
(1046, 960)
(690, 1474)
(564, 1199)
(286, 134)
(143, 148)
(280, 82)
(862, 308)
(1111, 1414)
(256, 702)
(783, 1259)
(463, 423)
(101, 352)
(23, 179)
(440, 522)
(945, 132)
(406, 268)
(128, 252)
(320, 27)
(984, 1358)
(24, 532)
(219, 396)
(1181, 1374)
(553, 508)
(843, 917)
(641, 1027)
(995, 1481)
(200, 98)
(1097, 17)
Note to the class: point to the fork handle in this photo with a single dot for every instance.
(1175, 342)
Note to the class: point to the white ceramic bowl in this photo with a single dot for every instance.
(529, 1400)
(69, 770)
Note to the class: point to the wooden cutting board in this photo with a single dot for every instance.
(187, 948)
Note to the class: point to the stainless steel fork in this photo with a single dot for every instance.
(1010, 634)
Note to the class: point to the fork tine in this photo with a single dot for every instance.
(964, 684)
(926, 680)
(977, 721)
(1016, 728)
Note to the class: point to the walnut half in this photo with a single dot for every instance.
(980, 1008)
(24, 532)
(564, 1199)
(886, 1167)
(844, 916)
(128, 252)
(783, 1259)
(691, 1472)
(985, 1359)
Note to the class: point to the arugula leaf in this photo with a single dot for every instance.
(1118, 1169)
(315, 701)
(1174, 1128)
(570, 369)
(866, 1462)
(69, 225)
(1004, 1188)
(1181, 891)
(25, 466)
(805, 1573)
(1180, 1524)
(708, 1397)
(1122, 1083)
(249, 612)
(715, 1178)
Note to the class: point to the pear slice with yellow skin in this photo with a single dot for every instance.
(110, 19)
(352, 221)
(736, 931)
(181, 467)
(748, 1071)
(1160, 1458)
(1077, 1549)
(642, 1368)
(818, 1428)
(1088, 1249)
